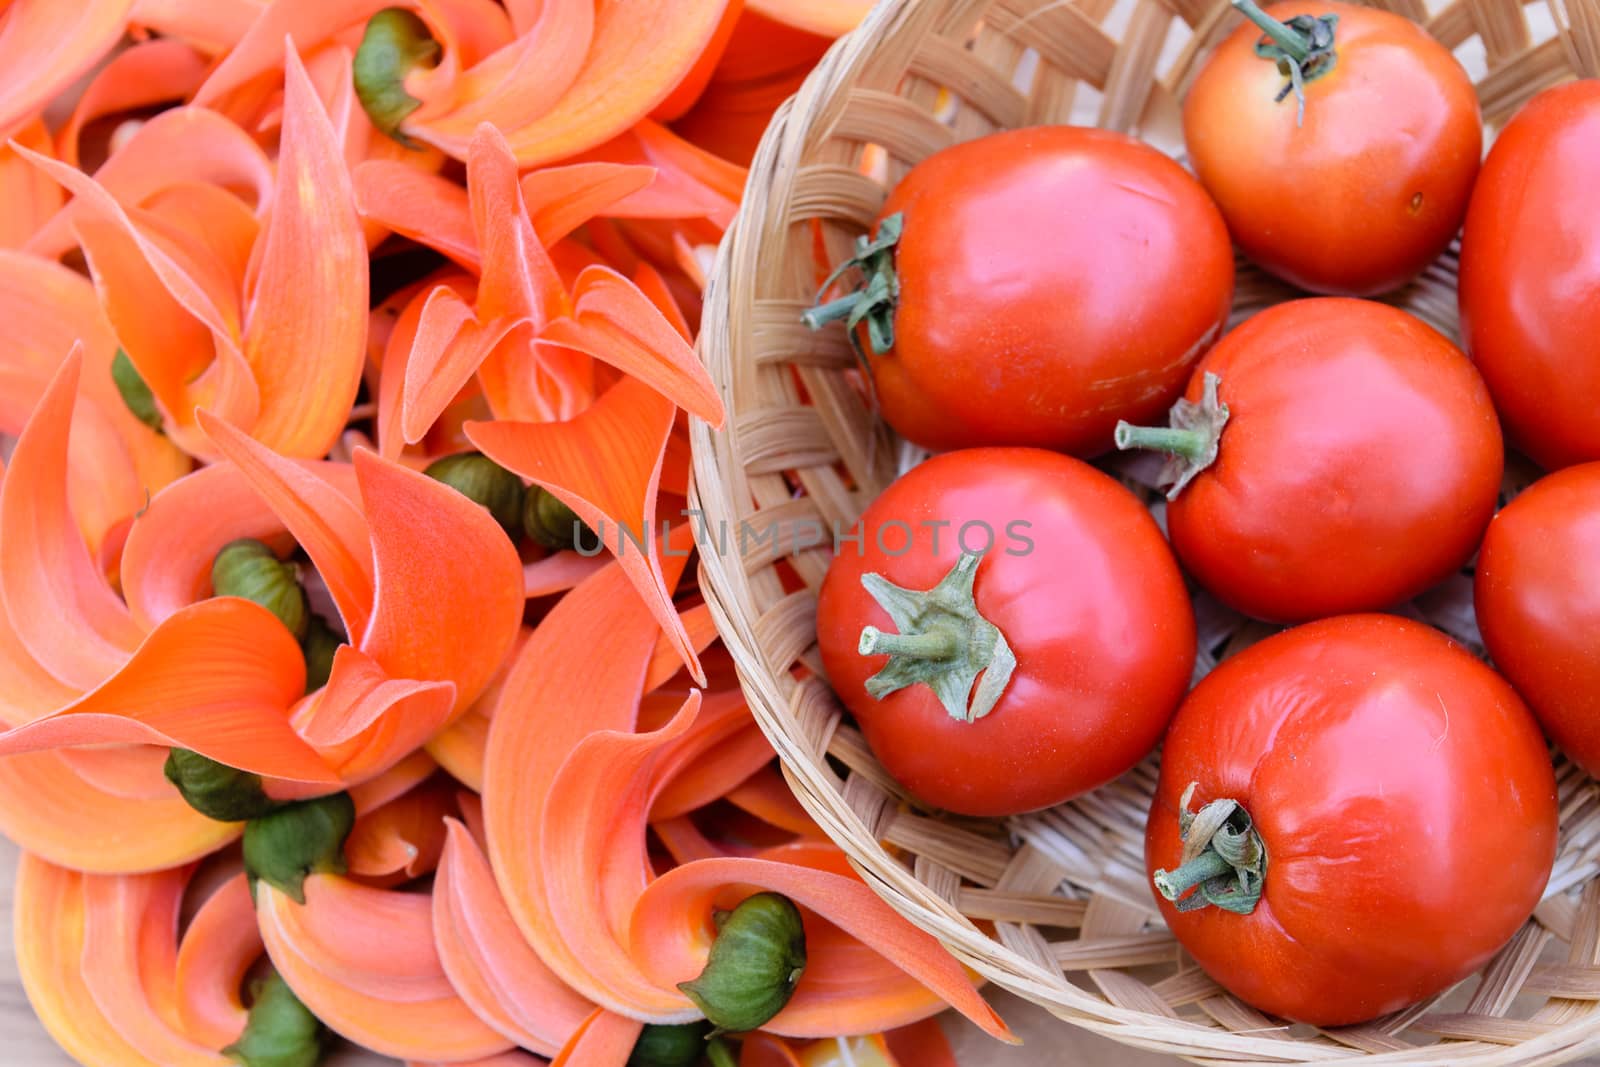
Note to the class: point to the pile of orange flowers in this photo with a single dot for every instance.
(331, 330)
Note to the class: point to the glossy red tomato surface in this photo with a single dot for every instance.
(1537, 590)
(1084, 590)
(1052, 281)
(1359, 465)
(1530, 276)
(1373, 185)
(1405, 802)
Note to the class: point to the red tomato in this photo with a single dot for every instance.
(1538, 599)
(1404, 801)
(1371, 187)
(1358, 464)
(1530, 276)
(1050, 281)
(1081, 587)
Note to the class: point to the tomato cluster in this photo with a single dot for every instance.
(1356, 812)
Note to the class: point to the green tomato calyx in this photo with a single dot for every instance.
(281, 1031)
(307, 837)
(1191, 439)
(1224, 860)
(396, 42)
(249, 569)
(755, 964)
(943, 642)
(873, 301)
(1301, 47)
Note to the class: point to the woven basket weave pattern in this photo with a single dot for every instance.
(1053, 906)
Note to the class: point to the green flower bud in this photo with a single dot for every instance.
(482, 481)
(298, 839)
(670, 1046)
(248, 569)
(319, 644)
(756, 961)
(216, 790)
(396, 43)
(281, 1032)
(549, 522)
(135, 393)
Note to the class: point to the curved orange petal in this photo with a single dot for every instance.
(363, 721)
(689, 88)
(449, 345)
(305, 338)
(606, 1040)
(505, 1059)
(393, 783)
(459, 747)
(216, 677)
(767, 796)
(449, 584)
(665, 662)
(616, 323)
(691, 183)
(62, 610)
(46, 45)
(213, 25)
(219, 946)
(558, 572)
(605, 465)
(30, 197)
(638, 55)
(765, 1050)
(920, 1045)
(403, 838)
(325, 522)
(830, 18)
(428, 208)
(152, 72)
(723, 751)
(488, 962)
(672, 933)
(560, 199)
(363, 961)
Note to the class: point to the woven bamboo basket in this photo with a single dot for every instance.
(1053, 906)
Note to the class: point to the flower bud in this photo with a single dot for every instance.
(135, 393)
(670, 1046)
(755, 963)
(396, 42)
(482, 481)
(216, 790)
(281, 1031)
(248, 569)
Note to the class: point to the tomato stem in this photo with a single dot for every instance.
(1302, 48)
(1296, 44)
(834, 310)
(872, 301)
(1224, 860)
(1191, 439)
(943, 642)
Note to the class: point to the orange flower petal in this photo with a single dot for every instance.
(63, 611)
(427, 208)
(305, 339)
(45, 46)
(219, 947)
(560, 199)
(404, 837)
(694, 83)
(671, 937)
(558, 572)
(323, 520)
(153, 72)
(765, 1050)
(393, 783)
(920, 1045)
(449, 584)
(767, 796)
(724, 748)
(830, 18)
(364, 721)
(489, 963)
(604, 464)
(606, 1040)
(459, 747)
(30, 198)
(690, 183)
(216, 677)
(449, 346)
(363, 961)
(615, 323)
(665, 662)
(214, 25)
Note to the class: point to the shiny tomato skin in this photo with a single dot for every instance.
(1359, 466)
(1373, 186)
(1405, 800)
(1096, 613)
(1530, 276)
(1537, 591)
(1052, 281)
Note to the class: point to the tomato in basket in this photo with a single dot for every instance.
(1340, 141)
(1530, 276)
(1010, 629)
(1352, 816)
(1331, 455)
(1537, 593)
(1034, 286)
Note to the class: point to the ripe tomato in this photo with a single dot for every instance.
(1403, 799)
(1357, 464)
(1530, 276)
(1074, 580)
(1538, 599)
(1370, 187)
(1045, 283)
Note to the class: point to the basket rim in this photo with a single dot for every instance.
(718, 479)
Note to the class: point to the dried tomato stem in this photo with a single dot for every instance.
(1203, 868)
(1224, 861)
(1190, 444)
(1291, 40)
(834, 310)
(1191, 440)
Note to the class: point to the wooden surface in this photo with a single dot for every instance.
(23, 1042)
